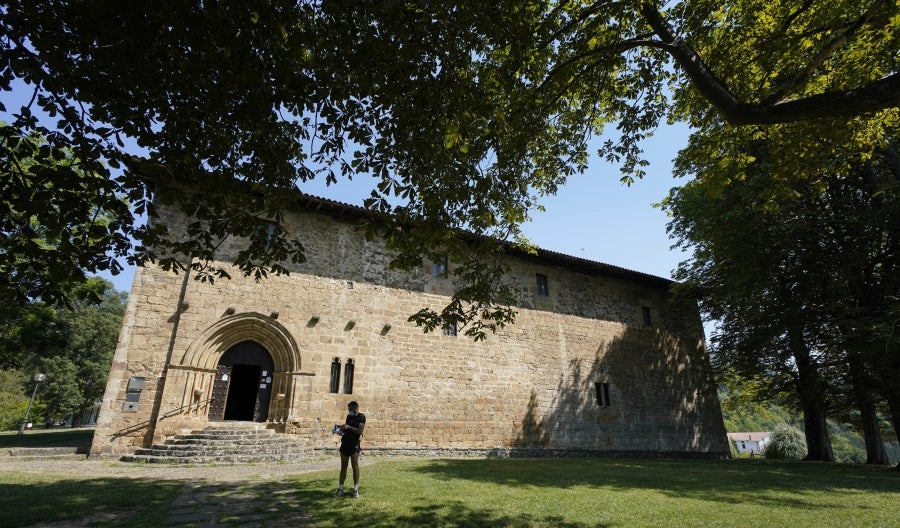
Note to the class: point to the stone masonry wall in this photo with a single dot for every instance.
(530, 386)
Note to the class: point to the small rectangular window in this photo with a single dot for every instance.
(335, 375)
(645, 313)
(602, 394)
(439, 268)
(348, 377)
(269, 228)
(449, 329)
(542, 288)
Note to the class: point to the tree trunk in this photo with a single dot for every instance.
(812, 401)
(890, 389)
(894, 405)
(862, 382)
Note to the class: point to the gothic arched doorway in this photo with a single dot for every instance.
(243, 384)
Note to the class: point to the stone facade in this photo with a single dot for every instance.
(606, 363)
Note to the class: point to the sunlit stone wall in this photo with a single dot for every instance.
(530, 389)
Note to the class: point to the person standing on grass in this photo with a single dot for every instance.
(352, 430)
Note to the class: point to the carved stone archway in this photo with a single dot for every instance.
(230, 330)
(196, 370)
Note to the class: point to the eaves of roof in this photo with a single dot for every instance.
(159, 175)
(312, 203)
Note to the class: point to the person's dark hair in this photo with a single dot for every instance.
(353, 404)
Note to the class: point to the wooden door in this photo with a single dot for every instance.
(220, 393)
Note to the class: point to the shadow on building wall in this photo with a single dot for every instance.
(644, 391)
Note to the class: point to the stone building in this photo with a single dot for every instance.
(601, 361)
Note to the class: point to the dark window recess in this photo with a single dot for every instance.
(270, 229)
(645, 313)
(439, 268)
(602, 394)
(542, 288)
(335, 375)
(348, 377)
(449, 329)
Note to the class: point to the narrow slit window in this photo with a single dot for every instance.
(449, 329)
(439, 268)
(270, 229)
(602, 394)
(645, 313)
(348, 377)
(335, 375)
(542, 288)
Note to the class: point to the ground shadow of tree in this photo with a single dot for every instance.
(432, 509)
(724, 481)
(108, 501)
(309, 501)
(148, 502)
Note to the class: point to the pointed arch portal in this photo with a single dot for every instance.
(251, 357)
(243, 384)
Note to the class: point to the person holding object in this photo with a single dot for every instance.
(351, 431)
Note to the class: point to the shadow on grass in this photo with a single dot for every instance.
(457, 514)
(721, 480)
(140, 503)
(329, 511)
(436, 493)
(108, 501)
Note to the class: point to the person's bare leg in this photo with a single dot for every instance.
(343, 475)
(354, 460)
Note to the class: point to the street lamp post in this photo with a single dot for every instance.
(38, 378)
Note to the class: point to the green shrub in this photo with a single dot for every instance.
(787, 443)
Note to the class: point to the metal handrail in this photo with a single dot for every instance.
(173, 412)
(167, 414)
(132, 428)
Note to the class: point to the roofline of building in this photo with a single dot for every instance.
(543, 256)
(157, 175)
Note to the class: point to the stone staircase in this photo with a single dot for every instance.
(231, 442)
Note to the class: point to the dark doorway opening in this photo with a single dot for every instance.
(243, 384)
(241, 402)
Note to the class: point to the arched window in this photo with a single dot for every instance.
(348, 377)
(335, 375)
(602, 394)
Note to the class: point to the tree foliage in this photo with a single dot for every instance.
(465, 113)
(796, 252)
(72, 346)
(13, 401)
(787, 443)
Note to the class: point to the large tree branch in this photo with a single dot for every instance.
(877, 95)
(825, 52)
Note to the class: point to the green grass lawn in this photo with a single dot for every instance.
(567, 493)
(605, 493)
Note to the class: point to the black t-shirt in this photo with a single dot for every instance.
(350, 438)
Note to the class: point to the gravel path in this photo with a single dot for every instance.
(218, 472)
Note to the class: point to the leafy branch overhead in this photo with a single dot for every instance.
(466, 113)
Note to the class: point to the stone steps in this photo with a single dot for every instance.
(234, 442)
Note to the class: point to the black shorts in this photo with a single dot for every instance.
(350, 449)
